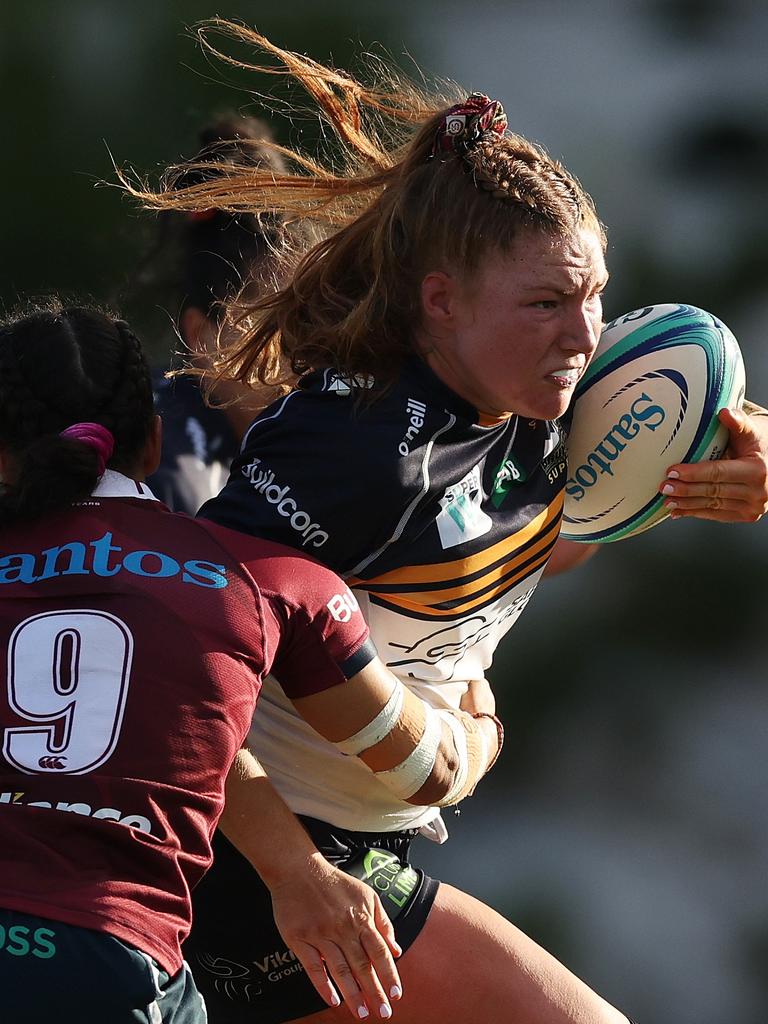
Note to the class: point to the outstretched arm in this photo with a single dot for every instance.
(334, 923)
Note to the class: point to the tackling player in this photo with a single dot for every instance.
(135, 641)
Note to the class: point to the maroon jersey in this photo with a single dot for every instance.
(133, 642)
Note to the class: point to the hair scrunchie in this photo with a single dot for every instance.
(465, 124)
(95, 436)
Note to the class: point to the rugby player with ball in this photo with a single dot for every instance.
(460, 275)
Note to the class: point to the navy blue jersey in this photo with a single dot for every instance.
(198, 445)
(439, 519)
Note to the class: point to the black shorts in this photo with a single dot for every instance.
(52, 972)
(239, 960)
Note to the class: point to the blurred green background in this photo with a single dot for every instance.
(626, 826)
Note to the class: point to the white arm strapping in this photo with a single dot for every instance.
(460, 742)
(410, 775)
(379, 727)
(462, 786)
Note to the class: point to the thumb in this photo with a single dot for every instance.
(743, 438)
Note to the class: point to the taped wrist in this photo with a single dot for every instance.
(452, 750)
(472, 748)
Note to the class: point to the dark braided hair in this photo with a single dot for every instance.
(60, 366)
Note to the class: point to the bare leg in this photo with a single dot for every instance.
(470, 965)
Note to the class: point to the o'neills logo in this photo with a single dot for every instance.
(343, 385)
(641, 413)
(415, 411)
(263, 482)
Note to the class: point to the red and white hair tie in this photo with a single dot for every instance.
(465, 124)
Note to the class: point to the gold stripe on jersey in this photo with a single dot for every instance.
(472, 582)
(444, 572)
(422, 605)
(460, 589)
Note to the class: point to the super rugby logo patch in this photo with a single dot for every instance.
(461, 516)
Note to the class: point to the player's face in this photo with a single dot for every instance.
(517, 334)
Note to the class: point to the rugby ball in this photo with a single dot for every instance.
(649, 398)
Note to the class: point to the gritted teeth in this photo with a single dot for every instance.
(570, 373)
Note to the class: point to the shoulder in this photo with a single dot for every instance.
(330, 415)
(328, 473)
(331, 418)
(290, 581)
(281, 573)
(315, 634)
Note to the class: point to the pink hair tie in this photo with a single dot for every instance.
(95, 435)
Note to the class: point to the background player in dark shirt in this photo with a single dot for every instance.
(199, 261)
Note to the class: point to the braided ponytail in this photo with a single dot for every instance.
(60, 366)
(51, 473)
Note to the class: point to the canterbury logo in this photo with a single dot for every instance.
(53, 762)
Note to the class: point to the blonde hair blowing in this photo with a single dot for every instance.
(387, 214)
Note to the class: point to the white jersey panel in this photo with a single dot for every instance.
(310, 773)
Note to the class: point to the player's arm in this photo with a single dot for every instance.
(327, 666)
(567, 554)
(334, 923)
(425, 756)
(730, 490)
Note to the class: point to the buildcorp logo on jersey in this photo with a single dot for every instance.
(263, 482)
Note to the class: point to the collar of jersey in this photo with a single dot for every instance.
(439, 390)
(115, 485)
